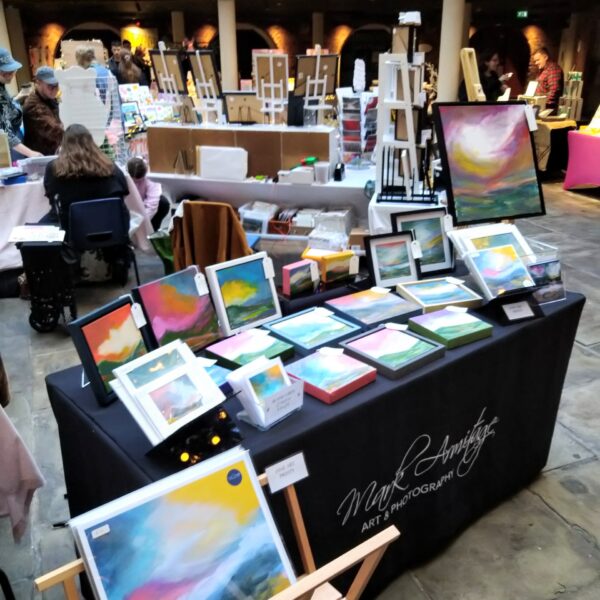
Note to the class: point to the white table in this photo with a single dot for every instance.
(26, 203)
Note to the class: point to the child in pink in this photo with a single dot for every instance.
(156, 205)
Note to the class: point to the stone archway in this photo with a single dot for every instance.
(87, 31)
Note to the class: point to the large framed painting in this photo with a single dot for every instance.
(489, 159)
(244, 292)
(428, 228)
(106, 339)
(390, 258)
(175, 309)
(205, 532)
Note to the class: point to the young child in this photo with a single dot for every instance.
(157, 206)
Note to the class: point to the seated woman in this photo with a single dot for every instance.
(82, 172)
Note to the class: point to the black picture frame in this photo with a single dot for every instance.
(436, 268)
(453, 206)
(75, 328)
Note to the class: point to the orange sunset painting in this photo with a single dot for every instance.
(114, 340)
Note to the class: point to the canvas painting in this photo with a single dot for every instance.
(268, 382)
(500, 239)
(205, 532)
(392, 348)
(177, 398)
(312, 328)
(500, 270)
(328, 372)
(175, 310)
(488, 152)
(297, 278)
(113, 340)
(249, 345)
(243, 294)
(152, 369)
(392, 259)
(369, 306)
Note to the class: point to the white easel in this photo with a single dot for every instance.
(207, 91)
(271, 92)
(167, 79)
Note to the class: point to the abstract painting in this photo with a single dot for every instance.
(433, 293)
(298, 278)
(175, 310)
(390, 258)
(205, 532)
(177, 398)
(156, 367)
(370, 306)
(244, 296)
(498, 270)
(312, 328)
(487, 151)
(329, 377)
(428, 229)
(113, 340)
(268, 382)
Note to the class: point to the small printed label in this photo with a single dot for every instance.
(201, 285)
(353, 270)
(530, 117)
(454, 280)
(416, 249)
(448, 225)
(456, 309)
(425, 135)
(268, 267)
(327, 351)
(314, 271)
(517, 310)
(396, 326)
(100, 531)
(138, 315)
(286, 472)
(380, 290)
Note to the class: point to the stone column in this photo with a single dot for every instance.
(450, 45)
(17, 38)
(177, 26)
(228, 45)
(317, 29)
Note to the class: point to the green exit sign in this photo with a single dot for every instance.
(522, 14)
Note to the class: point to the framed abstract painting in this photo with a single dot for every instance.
(244, 292)
(175, 309)
(106, 339)
(205, 532)
(390, 258)
(428, 229)
(488, 156)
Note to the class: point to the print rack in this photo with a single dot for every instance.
(315, 583)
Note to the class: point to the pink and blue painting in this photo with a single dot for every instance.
(246, 292)
(489, 155)
(501, 270)
(209, 538)
(438, 291)
(175, 310)
(177, 398)
(369, 306)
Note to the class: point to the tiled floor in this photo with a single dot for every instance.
(542, 544)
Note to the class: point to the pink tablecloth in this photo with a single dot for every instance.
(583, 169)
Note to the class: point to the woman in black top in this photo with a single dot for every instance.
(491, 84)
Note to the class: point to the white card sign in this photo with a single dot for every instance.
(286, 472)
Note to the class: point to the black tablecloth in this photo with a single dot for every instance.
(429, 453)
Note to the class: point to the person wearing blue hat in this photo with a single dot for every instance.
(43, 127)
(11, 115)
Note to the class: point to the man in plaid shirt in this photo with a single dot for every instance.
(550, 78)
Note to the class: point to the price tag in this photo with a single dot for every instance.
(448, 225)
(288, 471)
(396, 326)
(416, 249)
(138, 315)
(517, 311)
(268, 267)
(100, 531)
(454, 280)
(422, 98)
(353, 270)
(456, 309)
(425, 135)
(380, 290)
(327, 351)
(201, 284)
(314, 271)
(530, 117)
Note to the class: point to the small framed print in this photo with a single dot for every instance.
(244, 293)
(390, 258)
(105, 339)
(471, 239)
(428, 229)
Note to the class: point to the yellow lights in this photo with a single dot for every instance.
(140, 37)
(338, 38)
(215, 440)
(184, 457)
(222, 415)
(205, 34)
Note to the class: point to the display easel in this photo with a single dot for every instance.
(168, 72)
(271, 71)
(208, 85)
(369, 553)
(468, 61)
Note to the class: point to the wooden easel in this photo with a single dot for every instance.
(314, 584)
(468, 61)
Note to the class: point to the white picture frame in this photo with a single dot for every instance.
(466, 240)
(382, 252)
(237, 305)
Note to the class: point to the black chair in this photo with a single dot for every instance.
(102, 223)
